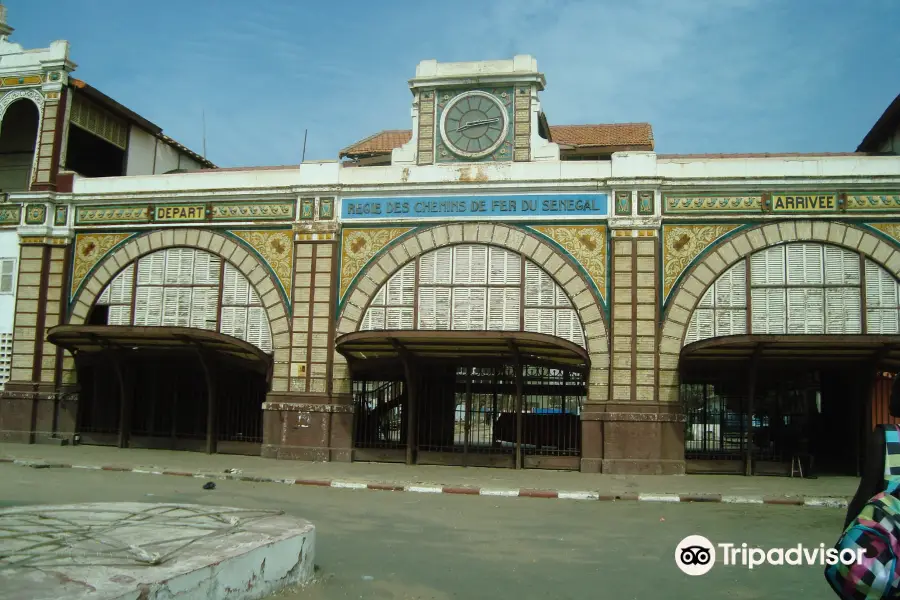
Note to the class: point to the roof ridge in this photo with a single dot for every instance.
(373, 136)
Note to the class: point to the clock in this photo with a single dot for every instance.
(474, 124)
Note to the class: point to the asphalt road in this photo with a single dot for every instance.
(388, 545)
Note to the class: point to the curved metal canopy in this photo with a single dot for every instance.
(148, 341)
(463, 347)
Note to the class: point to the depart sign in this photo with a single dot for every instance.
(805, 203)
(461, 207)
(180, 212)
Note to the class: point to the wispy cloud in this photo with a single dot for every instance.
(710, 75)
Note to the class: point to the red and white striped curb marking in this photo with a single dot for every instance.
(825, 502)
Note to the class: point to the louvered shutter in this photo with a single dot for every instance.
(234, 321)
(434, 308)
(468, 309)
(436, 267)
(804, 264)
(841, 266)
(119, 315)
(378, 300)
(504, 267)
(470, 265)
(151, 269)
(768, 310)
(236, 289)
(399, 317)
(539, 287)
(104, 297)
(708, 299)
(540, 320)
(842, 310)
(203, 308)
(767, 267)
(730, 289)
(176, 307)
(148, 306)
(806, 310)
(568, 326)
(503, 309)
(258, 329)
(703, 321)
(374, 320)
(206, 268)
(881, 300)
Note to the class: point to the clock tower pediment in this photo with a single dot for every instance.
(484, 111)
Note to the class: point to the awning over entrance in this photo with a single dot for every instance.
(881, 351)
(463, 347)
(144, 341)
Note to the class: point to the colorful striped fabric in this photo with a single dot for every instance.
(876, 531)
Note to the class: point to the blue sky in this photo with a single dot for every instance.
(709, 75)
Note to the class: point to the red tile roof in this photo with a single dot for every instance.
(616, 135)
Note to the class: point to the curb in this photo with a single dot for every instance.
(810, 501)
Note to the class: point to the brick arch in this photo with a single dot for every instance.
(721, 255)
(223, 246)
(559, 266)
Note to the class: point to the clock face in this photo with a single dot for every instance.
(474, 124)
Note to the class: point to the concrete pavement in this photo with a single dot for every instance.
(825, 491)
(439, 547)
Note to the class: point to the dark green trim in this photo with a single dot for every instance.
(87, 276)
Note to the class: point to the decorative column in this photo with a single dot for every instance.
(640, 434)
(36, 405)
(309, 420)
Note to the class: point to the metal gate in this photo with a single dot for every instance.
(469, 416)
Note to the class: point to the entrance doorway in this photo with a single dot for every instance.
(491, 400)
(771, 402)
(168, 388)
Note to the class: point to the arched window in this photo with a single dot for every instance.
(476, 288)
(184, 287)
(799, 288)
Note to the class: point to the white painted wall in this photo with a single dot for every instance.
(166, 158)
(141, 146)
(9, 248)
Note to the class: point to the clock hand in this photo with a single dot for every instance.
(477, 123)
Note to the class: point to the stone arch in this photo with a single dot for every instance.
(417, 242)
(722, 254)
(223, 246)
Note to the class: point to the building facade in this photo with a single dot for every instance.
(484, 289)
(54, 127)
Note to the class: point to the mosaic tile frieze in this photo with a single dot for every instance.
(358, 246)
(701, 203)
(682, 244)
(253, 211)
(276, 247)
(890, 229)
(11, 214)
(586, 244)
(106, 215)
(89, 250)
(873, 202)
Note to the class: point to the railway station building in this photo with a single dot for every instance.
(485, 289)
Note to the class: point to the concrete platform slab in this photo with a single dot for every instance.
(138, 551)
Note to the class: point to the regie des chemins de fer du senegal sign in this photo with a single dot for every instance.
(506, 206)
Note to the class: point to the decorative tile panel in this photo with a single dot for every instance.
(106, 215)
(326, 209)
(623, 203)
(276, 247)
(711, 203)
(307, 208)
(35, 214)
(10, 214)
(62, 216)
(682, 244)
(873, 202)
(646, 204)
(358, 246)
(253, 211)
(89, 250)
(425, 150)
(889, 229)
(586, 244)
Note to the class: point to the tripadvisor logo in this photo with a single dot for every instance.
(696, 555)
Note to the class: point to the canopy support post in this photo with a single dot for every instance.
(212, 404)
(751, 391)
(519, 401)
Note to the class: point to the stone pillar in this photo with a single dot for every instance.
(309, 421)
(639, 434)
(36, 405)
(50, 138)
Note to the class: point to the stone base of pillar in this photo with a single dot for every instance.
(310, 427)
(37, 413)
(633, 439)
